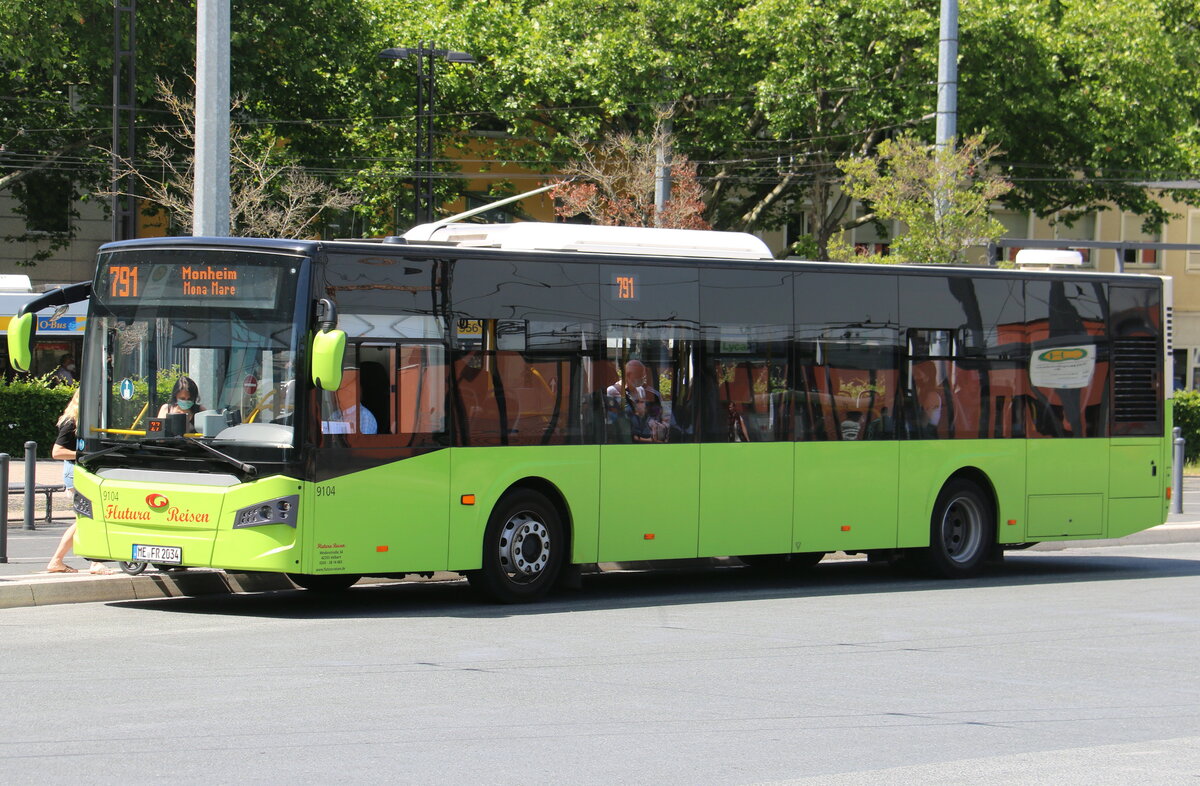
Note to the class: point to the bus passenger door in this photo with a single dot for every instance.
(745, 411)
(383, 483)
(649, 468)
(847, 429)
(650, 459)
(746, 458)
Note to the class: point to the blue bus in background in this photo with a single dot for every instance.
(57, 336)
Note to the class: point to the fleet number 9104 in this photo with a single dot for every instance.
(326, 491)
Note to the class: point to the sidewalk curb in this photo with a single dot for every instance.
(1163, 533)
(85, 588)
(48, 590)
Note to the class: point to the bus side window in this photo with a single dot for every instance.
(421, 393)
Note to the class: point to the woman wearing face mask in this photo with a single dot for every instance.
(184, 401)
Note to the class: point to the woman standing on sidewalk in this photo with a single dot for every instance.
(64, 449)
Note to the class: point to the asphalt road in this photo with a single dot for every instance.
(1074, 666)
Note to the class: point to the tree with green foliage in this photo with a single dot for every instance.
(56, 84)
(1186, 414)
(841, 77)
(29, 409)
(1089, 101)
(768, 95)
(942, 195)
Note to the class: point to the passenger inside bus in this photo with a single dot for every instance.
(929, 415)
(349, 416)
(185, 400)
(882, 427)
(641, 405)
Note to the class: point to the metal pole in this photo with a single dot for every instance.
(30, 481)
(418, 143)
(947, 87)
(1177, 471)
(124, 119)
(4, 507)
(662, 172)
(210, 186)
(431, 97)
(947, 96)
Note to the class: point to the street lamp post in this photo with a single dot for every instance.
(425, 55)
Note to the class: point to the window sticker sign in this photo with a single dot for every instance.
(1063, 367)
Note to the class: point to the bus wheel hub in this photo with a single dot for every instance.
(524, 545)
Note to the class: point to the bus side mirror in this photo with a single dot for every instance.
(327, 350)
(21, 330)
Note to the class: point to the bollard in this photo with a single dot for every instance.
(4, 507)
(30, 481)
(1177, 470)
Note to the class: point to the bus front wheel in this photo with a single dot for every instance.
(523, 549)
(962, 530)
(324, 582)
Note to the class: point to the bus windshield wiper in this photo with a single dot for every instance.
(103, 452)
(113, 447)
(249, 469)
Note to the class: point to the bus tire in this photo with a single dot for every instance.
(961, 531)
(523, 549)
(333, 582)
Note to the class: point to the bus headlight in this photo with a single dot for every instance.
(281, 510)
(82, 505)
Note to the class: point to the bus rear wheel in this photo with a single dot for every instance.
(323, 583)
(962, 530)
(523, 549)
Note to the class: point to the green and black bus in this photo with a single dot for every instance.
(513, 402)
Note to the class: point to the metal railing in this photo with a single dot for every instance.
(4, 507)
(1178, 443)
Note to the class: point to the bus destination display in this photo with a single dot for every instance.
(191, 284)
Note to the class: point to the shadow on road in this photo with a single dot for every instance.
(622, 590)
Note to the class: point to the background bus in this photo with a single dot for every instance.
(56, 336)
(541, 397)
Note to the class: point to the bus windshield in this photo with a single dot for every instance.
(193, 346)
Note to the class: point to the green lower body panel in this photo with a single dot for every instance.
(1139, 474)
(1126, 516)
(626, 502)
(845, 496)
(193, 513)
(997, 465)
(1065, 515)
(649, 502)
(393, 518)
(746, 498)
(569, 474)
